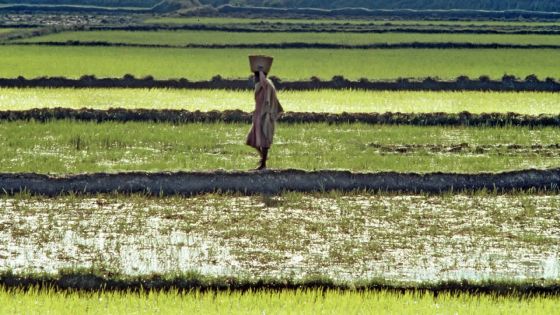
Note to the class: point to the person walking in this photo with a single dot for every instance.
(267, 108)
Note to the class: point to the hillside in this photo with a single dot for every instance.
(100, 3)
(493, 5)
(531, 5)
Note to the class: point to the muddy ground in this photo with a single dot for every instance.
(276, 182)
(551, 150)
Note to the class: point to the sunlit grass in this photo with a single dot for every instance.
(333, 101)
(71, 147)
(263, 302)
(203, 64)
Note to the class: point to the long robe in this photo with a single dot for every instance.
(267, 111)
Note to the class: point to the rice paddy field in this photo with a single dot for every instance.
(506, 239)
(225, 38)
(6, 30)
(331, 101)
(344, 236)
(75, 147)
(292, 64)
(262, 302)
(232, 20)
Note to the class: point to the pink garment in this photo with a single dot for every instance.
(267, 111)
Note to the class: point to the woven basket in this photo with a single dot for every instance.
(260, 63)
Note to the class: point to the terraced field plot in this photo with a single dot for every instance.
(332, 101)
(217, 37)
(6, 30)
(342, 236)
(291, 64)
(72, 147)
(219, 21)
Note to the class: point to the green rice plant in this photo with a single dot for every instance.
(72, 147)
(290, 64)
(268, 302)
(217, 37)
(332, 101)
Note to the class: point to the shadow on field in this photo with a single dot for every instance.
(238, 116)
(95, 281)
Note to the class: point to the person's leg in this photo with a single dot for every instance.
(264, 157)
(261, 156)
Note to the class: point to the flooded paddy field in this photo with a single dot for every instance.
(342, 236)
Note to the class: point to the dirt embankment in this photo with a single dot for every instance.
(238, 116)
(301, 45)
(463, 83)
(276, 182)
(265, 27)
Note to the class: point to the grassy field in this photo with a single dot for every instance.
(219, 21)
(217, 37)
(333, 101)
(71, 147)
(263, 302)
(201, 64)
(345, 237)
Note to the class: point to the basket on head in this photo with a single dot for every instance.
(260, 63)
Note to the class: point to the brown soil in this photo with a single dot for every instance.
(465, 148)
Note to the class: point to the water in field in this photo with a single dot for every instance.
(413, 238)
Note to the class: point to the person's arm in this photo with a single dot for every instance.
(262, 79)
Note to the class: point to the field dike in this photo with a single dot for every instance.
(463, 83)
(238, 116)
(276, 182)
(85, 280)
(265, 27)
(302, 45)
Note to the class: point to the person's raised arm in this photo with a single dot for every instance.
(262, 79)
